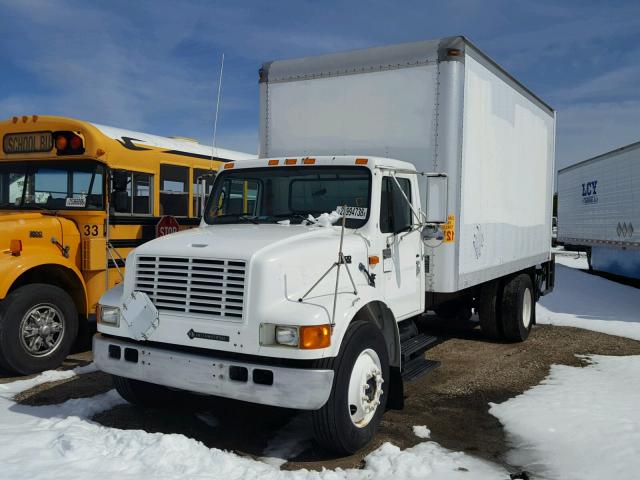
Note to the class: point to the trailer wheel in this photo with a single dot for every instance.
(518, 307)
(144, 394)
(489, 310)
(38, 325)
(348, 421)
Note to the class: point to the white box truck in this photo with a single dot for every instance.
(599, 210)
(391, 181)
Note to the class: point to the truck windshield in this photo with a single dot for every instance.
(52, 185)
(269, 195)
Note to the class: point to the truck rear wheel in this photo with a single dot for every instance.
(143, 394)
(38, 325)
(518, 306)
(489, 310)
(348, 421)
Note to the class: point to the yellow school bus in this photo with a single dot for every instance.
(75, 199)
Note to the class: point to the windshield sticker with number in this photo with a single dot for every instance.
(80, 202)
(352, 212)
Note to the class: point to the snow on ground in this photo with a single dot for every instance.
(587, 301)
(60, 442)
(579, 423)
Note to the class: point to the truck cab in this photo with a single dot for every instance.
(244, 307)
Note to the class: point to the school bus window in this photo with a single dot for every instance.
(174, 190)
(131, 192)
(200, 175)
(52, 185)
(142, 193)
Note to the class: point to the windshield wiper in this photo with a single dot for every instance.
(246, 218)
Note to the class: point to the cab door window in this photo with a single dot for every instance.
(174, 190)
(395, 213)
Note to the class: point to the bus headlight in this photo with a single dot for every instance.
(108, 315)
(287, 336)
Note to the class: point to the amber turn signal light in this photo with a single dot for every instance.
(15, 247)
(315, 336)
(374, 260)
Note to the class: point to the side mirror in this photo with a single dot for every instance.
(119, 180)
(437, 194)
(121, 201)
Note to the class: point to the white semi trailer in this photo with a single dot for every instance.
(599, 210)
(391, 181)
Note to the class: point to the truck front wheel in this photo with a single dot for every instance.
(348, 421)
(38, 325)
(518, 306)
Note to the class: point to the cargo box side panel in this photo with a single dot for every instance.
(386, 113)
(599, 200)
(507, 179)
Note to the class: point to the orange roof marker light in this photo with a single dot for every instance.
(24, 119)
(309, 161)
(362, 161)
(229, 165)
(291, 161)
(273, 163)
(15, 119)
(34, 118)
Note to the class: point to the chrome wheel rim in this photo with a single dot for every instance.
(42, 330)
(526, 308)
(365, 388)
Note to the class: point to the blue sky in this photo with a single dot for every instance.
(153, 65)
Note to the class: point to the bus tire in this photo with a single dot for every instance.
(518, 307)
(143, 394)
(348, 421)
(489, 310)
(38, 325)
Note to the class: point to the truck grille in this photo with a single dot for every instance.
(197, 286)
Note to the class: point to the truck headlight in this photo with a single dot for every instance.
(108, 315)
(287, 336)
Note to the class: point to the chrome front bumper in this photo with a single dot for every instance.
(304, 389)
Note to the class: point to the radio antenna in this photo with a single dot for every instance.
(214, 152)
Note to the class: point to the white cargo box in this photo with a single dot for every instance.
(447, 108)
(599, 200)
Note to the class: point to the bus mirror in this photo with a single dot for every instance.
(120, 201)
(437, 199)
(120, 179)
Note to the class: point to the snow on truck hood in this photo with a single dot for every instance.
(237, 241)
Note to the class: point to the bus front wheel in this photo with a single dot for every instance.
(38, 325)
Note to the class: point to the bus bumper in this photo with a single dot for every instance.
(304, 389)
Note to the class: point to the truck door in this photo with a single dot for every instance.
(402, 251)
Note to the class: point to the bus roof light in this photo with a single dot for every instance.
(15, 119)
(61, 142)
(76, 142)
(24, 119)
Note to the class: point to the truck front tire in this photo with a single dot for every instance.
(518, 305)
(348, 421)
(38, 325)
(143, 394)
